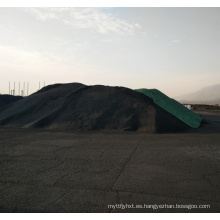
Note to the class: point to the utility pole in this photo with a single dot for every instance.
(9, 89)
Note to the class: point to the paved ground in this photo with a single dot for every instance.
(43, 171)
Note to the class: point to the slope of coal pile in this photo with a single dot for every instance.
(8, 99)
(81, 107)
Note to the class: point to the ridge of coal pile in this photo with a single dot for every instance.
(79, 107)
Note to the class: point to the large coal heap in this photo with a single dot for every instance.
(79, 107)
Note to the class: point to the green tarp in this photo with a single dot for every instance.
(172, 106)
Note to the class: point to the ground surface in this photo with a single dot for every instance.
(45, 171)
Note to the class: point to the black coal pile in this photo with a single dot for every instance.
(8, 99)
(79, 107)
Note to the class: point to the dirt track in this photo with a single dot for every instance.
(45, 171)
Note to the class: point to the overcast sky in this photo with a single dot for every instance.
(175, 50)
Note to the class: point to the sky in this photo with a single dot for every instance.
(175, 50)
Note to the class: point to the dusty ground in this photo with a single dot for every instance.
(44, 171)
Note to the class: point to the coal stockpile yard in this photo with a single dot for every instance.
(76, 148)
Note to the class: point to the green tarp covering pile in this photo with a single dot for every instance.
(172, 106)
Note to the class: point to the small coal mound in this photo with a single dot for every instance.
(8, 99)
(79, 107)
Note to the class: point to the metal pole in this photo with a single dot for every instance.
(23, 88)
(27, 88)
(9, 89)
(19, 89)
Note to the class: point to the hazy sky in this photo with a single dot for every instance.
(175, 50)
